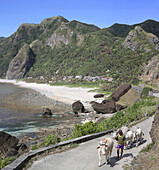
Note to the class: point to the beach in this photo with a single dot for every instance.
(35, 97)
(59, 93)
(31, 99)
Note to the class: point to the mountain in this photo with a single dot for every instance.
(122, 30)
(138, 38)
(2, 38)
(58, 47)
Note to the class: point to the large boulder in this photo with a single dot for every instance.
(98, 95)
(9, 145)
(120, 91)
(21, 63)
(105, 106)
(119, 107)
(78, 107)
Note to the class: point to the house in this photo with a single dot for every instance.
(79, 77)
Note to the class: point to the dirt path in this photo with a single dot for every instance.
(85, 156)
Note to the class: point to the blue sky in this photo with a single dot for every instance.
(102, 13)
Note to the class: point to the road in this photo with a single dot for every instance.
(85, 156)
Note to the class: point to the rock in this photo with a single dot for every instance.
(119, 107)
(151, 70)
(21, 63)
(22, 148)
(12, 152)
(105, 106)
(138, 37)
(78, 107)
(47, 112)
(100, 119)
(9, 145)
(154, 133)
(98, 95)
(120, 91)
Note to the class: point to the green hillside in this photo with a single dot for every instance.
(67, 48)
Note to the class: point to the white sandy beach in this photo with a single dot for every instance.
(59, 93)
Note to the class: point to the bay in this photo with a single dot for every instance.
(19, 123)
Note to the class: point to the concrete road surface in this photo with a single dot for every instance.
(85, 157)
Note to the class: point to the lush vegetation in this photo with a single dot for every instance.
(50, 140)
(89, 51)
(137, 111)
(145, 92)
(5, 161)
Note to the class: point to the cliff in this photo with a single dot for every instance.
(21, 63)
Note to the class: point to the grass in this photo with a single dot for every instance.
(148, 147)
(6, 161)
(83, 85)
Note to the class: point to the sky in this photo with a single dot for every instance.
(102, 13)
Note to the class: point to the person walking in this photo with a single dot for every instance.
(120, 143)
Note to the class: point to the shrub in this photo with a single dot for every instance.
(133, 113)
(145, 92)
(50, 140)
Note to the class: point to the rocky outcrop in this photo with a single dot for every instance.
(152, 68)
(10, 146)
(139, 39)
(64, 35)
(154, 133)
(120, 91)
(21, 63)
(78, 107)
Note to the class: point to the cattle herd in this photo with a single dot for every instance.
(105, 146)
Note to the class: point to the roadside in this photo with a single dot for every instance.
(85, 156)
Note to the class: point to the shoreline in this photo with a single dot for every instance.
(58, 93)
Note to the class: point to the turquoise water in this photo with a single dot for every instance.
(18, 123)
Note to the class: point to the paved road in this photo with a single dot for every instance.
(85, 156)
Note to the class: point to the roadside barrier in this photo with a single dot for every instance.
(21, 161)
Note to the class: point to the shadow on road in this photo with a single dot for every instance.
(113, 160)
(134, 144)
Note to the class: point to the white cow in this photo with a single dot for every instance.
(129, 138)
(105, 147)
(138, 136)
(128, 135)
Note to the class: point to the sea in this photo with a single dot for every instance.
(19, 123)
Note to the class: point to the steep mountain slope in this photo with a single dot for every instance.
(63, 48)
(121, 30)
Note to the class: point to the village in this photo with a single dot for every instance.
(78, 77)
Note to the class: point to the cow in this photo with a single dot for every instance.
(138, 136)
(129, 137)
(105, 147)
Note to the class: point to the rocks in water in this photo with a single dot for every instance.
(120, 91)
(98, 95)
(21, 63)
(78, 107)
(47, 112)
(9, 145)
